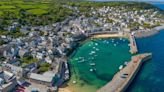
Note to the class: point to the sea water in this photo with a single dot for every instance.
(94, 63)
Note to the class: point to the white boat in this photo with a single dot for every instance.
(96, 44)
(81, 61)
(93, 52)
(91, 70)
(97, 49)
(121, 67)
(126, 63)
(92, 64)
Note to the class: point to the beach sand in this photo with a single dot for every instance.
(64, 90)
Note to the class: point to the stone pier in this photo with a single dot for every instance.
(124, 77)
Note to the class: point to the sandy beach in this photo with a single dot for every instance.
(107, 36)
(64, 90)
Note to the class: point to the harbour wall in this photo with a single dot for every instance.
(135, 73)
(119, 84)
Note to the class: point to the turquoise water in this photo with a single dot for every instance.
(149, 79)
(106, 54)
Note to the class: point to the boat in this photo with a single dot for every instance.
(76, 58)
(92, 64)
(115, 44)
(97, 49)
(81, 61)
(121, 67)
(93, 52)
(125, 63)
(91, 70)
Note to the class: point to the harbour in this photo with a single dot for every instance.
(86, 64)
(133, 50)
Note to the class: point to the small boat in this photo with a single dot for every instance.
(91, 70)
(121, 67)
(76, 58)
(126, 63)
(81, 61)
(96, 44)
(93, 52)
(97, 49)
(92, 64)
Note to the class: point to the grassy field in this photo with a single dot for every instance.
(31, 12)
(36, 8)
(37, 11)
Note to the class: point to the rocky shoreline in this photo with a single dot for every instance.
(147, 33)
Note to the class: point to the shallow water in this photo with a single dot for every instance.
(106, 54)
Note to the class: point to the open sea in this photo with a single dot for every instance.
(94, 63)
